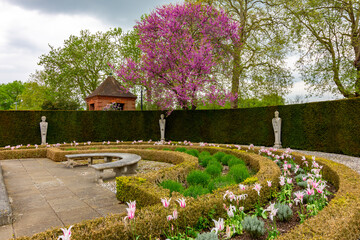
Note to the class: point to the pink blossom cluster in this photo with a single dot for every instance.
(181, 45)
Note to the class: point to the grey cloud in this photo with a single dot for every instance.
(115, 12)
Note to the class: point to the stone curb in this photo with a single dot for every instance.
(5, 208)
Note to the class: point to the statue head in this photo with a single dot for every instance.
(162, 116)
(276, 114)
(43, 118)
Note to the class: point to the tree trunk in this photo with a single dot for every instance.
(235, 76)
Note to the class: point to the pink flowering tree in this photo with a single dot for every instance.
(181, 46)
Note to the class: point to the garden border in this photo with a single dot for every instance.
(342, 215)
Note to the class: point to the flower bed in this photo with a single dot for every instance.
(342, 215)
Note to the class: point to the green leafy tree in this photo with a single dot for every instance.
(258, 66)
(328, 35)
(39, 96)
(9, 94)
(76, 69)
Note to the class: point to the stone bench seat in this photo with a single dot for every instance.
(126, 165)
(107, 157)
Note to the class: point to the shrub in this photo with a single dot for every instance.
(214, 162)
(204, 153)
(207, 236)
(195, 191)
(197, 177)
(205, 160)
(192, 152)
(180, 149)
(250, 180)
(239, 173)
(220, 182)
(225, 160)
(213, 170)
(235, 161)
(253, 226)
(173, 186)
(302, 184)
(166, 149)
(284, 212)
(219, 155)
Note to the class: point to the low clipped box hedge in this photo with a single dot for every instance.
(339, 220)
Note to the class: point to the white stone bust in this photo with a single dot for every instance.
(276, 122)
(43, 130)
(162, 123)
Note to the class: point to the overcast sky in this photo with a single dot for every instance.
(27, 27)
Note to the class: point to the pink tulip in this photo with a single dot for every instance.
(257, 188)
(175, 214)
(181, 202)
(66, 232)
(219, 225)
(269, 183)
(165, 202)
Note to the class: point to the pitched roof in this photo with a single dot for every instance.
(110, 88)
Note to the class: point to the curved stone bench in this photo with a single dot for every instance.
(126, 165)
(107, 157)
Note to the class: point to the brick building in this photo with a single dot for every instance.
(110, 91)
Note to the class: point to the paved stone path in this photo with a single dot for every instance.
(351, 162)
(46, 194)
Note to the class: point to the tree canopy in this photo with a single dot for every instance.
(181, 45)
(77, 68)
(9, 94)
(258, 65)
(328, 35)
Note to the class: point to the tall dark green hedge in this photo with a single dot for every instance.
(331, 126)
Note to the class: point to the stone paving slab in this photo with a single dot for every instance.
(5, 208)
(46, 194)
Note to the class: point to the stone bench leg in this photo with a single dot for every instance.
(90, 160)
(99, 175)
(130, 169)
(108, 159)
(70, 163)
(119, 171)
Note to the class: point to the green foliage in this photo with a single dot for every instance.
(219, 155)
(195, 191)
(180, 149)
(302, 184)
(204, 153)
(197, 177)
(207, 236)
(213, 170)
(204, 161)
(254, 226)
(193, 152)
(215, 163)
(10, 93)
(77, 68)
(239, 173)
(220, 182)
(235, 161)
(205, 221)
(60, 104)
(225, 160)
(284, 212)
(172, 185)
(166, 149)
(250, 180)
